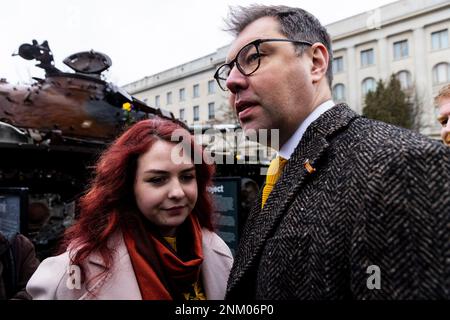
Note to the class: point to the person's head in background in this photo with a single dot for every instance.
(278, 67)
(138, 175)
(249, 190)
(442, 101)
(38, 215)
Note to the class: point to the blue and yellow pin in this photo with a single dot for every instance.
(309, 167)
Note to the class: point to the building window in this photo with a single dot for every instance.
(169, 97)
(368, 85)
(338, 65)
(196, 113)
(367, 58)
(182, 94)
(196, 90)
(211, 86)
(157, 102)
(439, 39)
(441, 73)
(404, 77)
(211, 111)
(339, 92)
(401, 49)
(182, 114)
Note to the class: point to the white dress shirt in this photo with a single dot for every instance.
(288, 148)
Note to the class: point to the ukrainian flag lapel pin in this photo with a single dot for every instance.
(309, 167)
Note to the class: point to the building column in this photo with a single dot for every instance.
(422, 79)
(353, 91)
(421, 76)
(383, 59)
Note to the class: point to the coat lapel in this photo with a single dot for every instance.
(261, 224)
(121, 282)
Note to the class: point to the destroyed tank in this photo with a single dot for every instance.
(51, 133)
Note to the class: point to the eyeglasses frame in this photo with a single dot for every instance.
(256, 43)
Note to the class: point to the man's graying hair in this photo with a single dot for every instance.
(296, 24)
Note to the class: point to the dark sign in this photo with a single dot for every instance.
(226, 193)
(13, 206)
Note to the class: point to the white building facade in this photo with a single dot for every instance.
(408, 38)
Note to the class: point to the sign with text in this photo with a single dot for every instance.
(226, 195)
(13, 208)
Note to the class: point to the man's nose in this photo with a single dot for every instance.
(236, 81)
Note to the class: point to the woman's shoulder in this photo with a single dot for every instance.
(213, 241)
(210, 237)
(56, 263)
(48, 276)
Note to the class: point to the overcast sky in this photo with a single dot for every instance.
(142, 37)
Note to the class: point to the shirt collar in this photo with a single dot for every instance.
(288, 148)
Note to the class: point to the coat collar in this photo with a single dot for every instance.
(120, 281)
(211, 241)
(115, 242)
(213, 248)
(261, 223)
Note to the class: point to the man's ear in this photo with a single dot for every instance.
(319, 62)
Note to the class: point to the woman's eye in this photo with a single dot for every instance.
(188, 178)
(156, 180)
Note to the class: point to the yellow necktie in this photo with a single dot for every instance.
(273, 174)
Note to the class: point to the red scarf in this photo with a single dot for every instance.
(162, 273)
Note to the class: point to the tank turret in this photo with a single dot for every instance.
(52, 131)
(69, 108)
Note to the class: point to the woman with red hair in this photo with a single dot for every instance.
(145, 229)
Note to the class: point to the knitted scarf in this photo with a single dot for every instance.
(162, 273)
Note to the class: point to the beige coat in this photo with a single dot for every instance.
(52, 281)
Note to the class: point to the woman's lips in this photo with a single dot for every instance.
(174, 210)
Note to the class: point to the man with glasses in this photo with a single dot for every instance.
(352, 208)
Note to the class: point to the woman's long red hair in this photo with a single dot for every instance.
(110, 198)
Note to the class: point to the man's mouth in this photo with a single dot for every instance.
(241, 106)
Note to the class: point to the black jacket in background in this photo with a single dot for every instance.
(17, 264)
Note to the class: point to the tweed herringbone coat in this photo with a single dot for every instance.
(380, 196)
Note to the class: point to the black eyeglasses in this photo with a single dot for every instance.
(247, 60)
